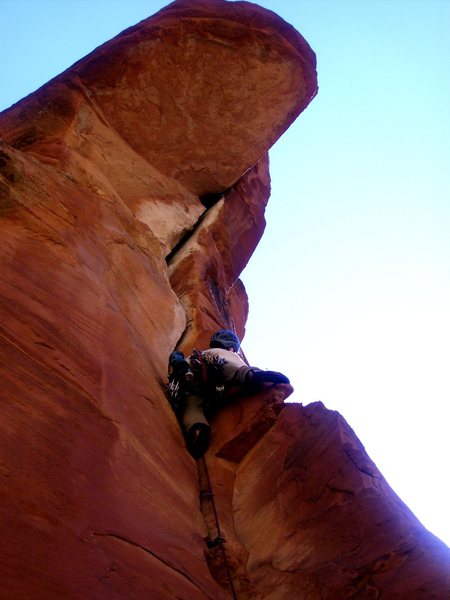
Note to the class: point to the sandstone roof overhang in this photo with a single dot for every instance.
(201, 90)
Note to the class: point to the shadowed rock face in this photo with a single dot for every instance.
(111, 254)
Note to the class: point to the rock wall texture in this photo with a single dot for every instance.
(132, 194)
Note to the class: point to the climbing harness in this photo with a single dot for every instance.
(201, 375)
(219, 540)
(207, 371)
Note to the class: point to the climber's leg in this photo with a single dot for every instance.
(196, 426)
(251, 376)
(258, 376)
(193, 412)
(235, 375)
(197, 439)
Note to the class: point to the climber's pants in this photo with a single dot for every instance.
(233, 375)
(193, 412)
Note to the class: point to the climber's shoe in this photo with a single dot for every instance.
(197, 439)
(268, 377)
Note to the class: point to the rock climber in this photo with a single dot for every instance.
(204, 378)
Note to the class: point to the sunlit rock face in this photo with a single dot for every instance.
(132, 194)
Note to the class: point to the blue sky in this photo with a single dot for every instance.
(350, 287)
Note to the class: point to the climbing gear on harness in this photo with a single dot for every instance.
(207, 375)
(225, 338)
(179, 373)
(219, 540)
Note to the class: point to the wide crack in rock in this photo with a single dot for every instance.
(206, 254)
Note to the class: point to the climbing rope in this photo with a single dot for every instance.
(219, 540)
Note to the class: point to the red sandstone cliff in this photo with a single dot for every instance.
(132, 194)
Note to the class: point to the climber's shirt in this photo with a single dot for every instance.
(234, 370)
(231, 358)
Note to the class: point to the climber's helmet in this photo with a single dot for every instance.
(225, 338)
